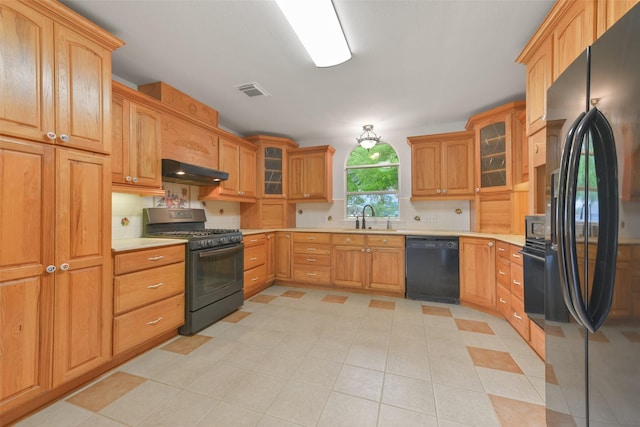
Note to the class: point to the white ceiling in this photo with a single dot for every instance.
(416, 63)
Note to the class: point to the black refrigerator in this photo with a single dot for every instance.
(593, 234)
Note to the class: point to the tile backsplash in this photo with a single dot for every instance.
(126, 210)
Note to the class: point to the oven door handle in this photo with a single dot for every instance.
(539, 258)
(221, 251)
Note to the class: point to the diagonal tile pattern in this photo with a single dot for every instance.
(289, 358)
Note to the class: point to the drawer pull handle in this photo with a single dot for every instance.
(384, 241)
(154, 322)
(515, 255)
(254, 279)
(311, 274)
(253, 258)
(501, 272)
(516, 316)
(156, 258)
(501, 249)
(157, 285)
(311, 238)
(311, 249)
(254, 240)
(515, 282)
(311, 259)
(502, 300)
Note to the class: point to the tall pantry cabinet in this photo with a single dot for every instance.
(55, 187)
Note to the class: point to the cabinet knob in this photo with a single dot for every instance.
(477, 189)
(384, 241)
(64, 266)
(490, 244)
(362, 250)
(444, 191)
(64, 138)
(288, 236)
(438, 191)
(50, 268)
(135, 179)
(368, 249)
(128, 178)
(51, 135)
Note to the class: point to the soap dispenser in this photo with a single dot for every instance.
(357, 222)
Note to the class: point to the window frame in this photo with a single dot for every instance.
(369, 166)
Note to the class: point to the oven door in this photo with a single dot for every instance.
(214, 274)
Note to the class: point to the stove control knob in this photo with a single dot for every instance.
(223, 240)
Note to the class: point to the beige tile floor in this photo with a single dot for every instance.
(293, 357)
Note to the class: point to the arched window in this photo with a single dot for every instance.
(372, 178)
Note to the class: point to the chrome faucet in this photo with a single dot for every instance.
(373, 213)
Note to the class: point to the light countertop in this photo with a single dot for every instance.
(119, 245)
(515, 239)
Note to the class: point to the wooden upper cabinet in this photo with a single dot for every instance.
(573, 33)
(442, 166)
(27, 90)
(136, 132)
(609, 11)
(498, 134)
(272, 162)
(59, 88)
(311, 174)
(238, 158)
(539, 78)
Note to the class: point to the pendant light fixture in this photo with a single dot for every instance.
(316, 24)
(368, 137)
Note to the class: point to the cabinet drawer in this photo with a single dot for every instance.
(254, 278)
(148, 258)
(254, 256)
(503, 250)
(517, 282)
(503, 301)
(385, 240)
(254, 239)
(143, 287)
(138, 326)
(312, 237)
(312, 248)
(503, 272)
(305, 259)
(518, 319)
(311, 273)
(514, 254)
(348, 239)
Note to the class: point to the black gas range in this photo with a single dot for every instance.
(214, 279)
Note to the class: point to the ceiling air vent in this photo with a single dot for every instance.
(252, 89)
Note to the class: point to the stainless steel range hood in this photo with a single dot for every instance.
(185, 173)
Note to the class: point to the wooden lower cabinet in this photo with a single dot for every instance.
(371, 262)
(255, 264)
(282, 255)
(311, 258)
(148, 295)
(477, 272)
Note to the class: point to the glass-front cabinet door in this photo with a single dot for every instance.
(493, 155)
(272, 162)
(273, 171)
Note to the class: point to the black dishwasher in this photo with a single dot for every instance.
(433, 268)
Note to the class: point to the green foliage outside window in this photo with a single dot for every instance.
(372, 178)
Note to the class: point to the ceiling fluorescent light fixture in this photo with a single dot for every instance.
(317, 26)
(368, 138)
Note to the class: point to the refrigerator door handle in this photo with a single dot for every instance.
(592, 310)
(560, 225)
